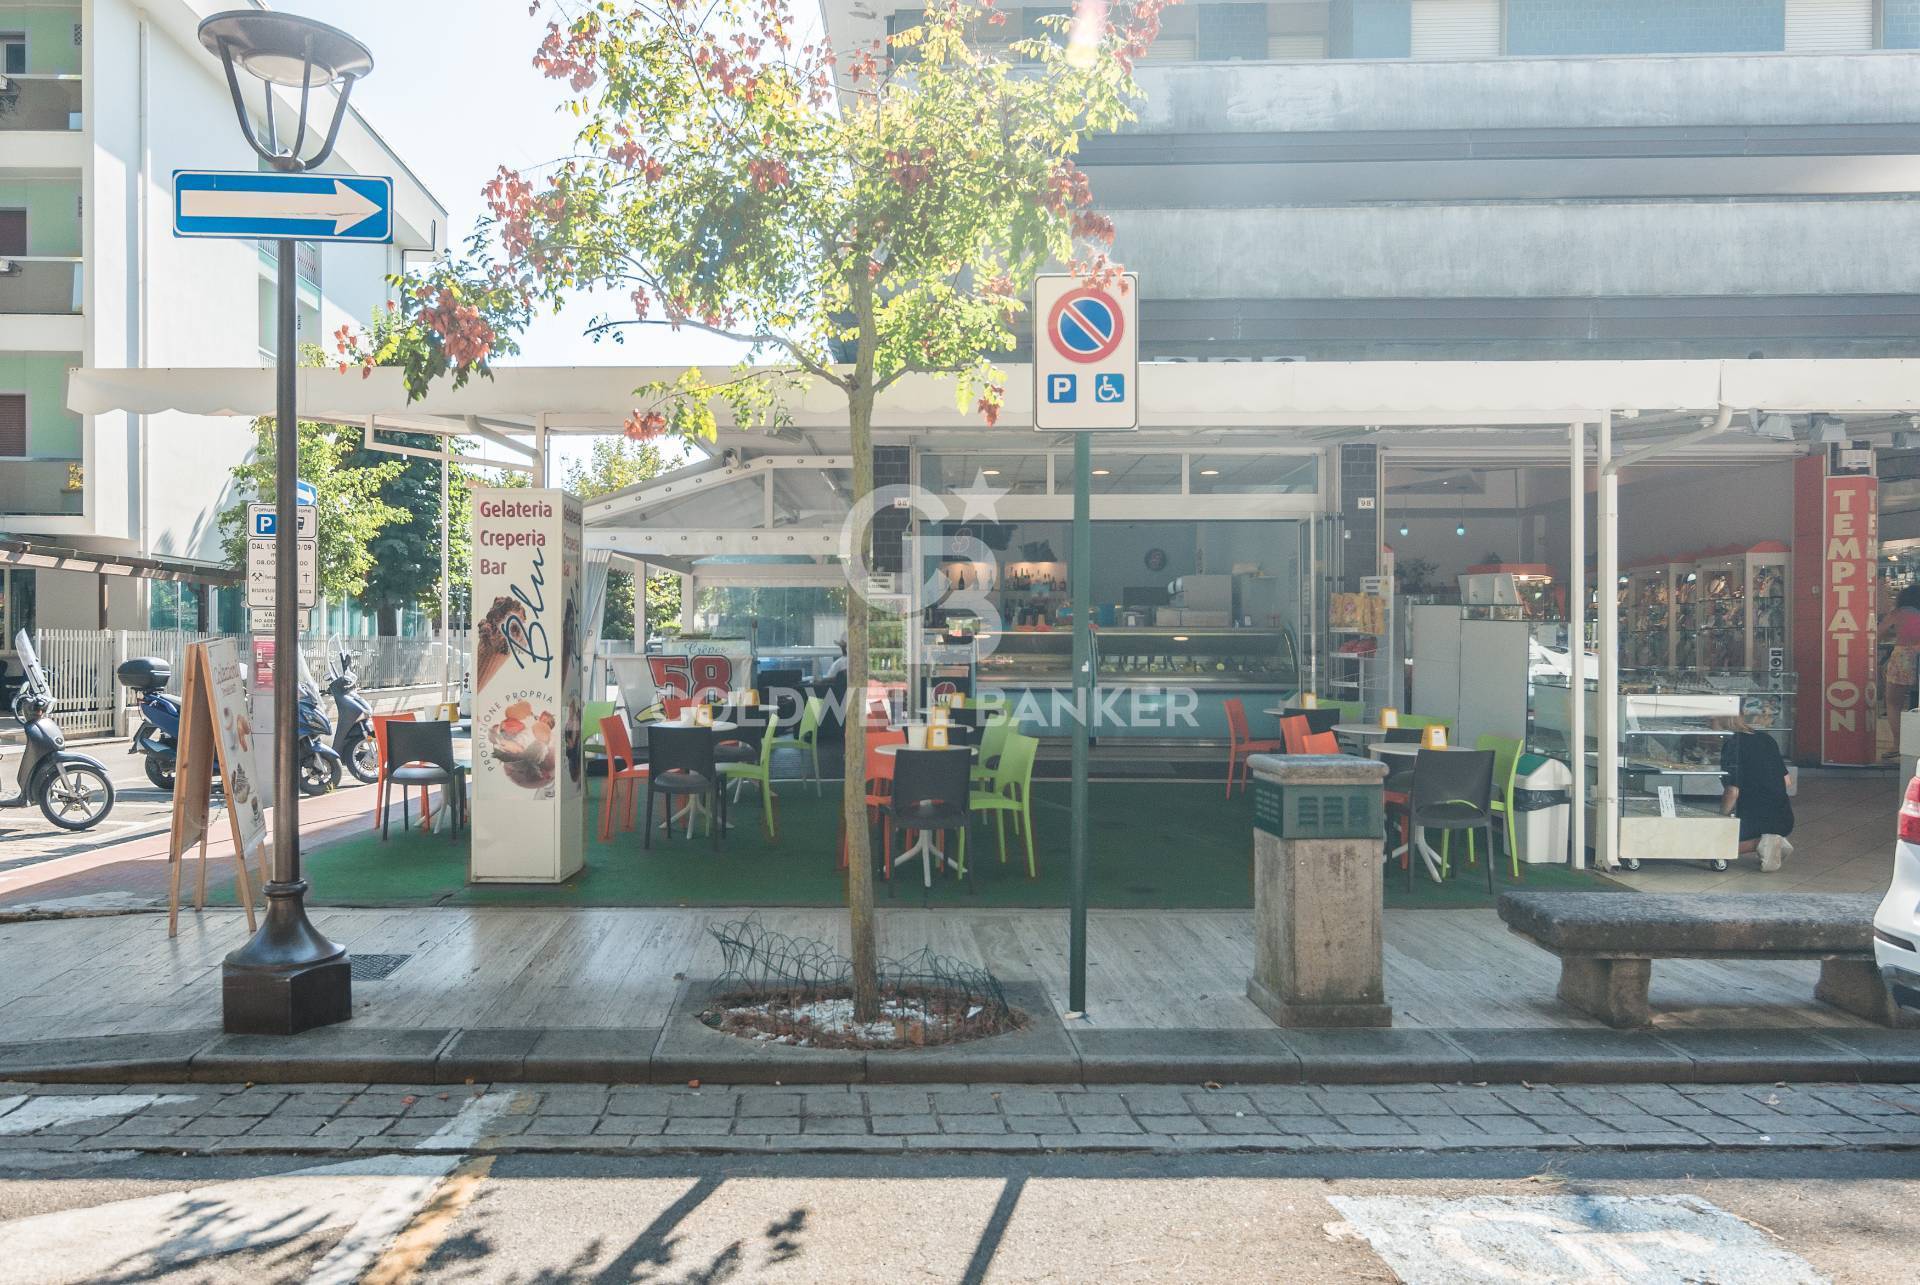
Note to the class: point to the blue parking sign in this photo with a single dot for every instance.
(1060, 388)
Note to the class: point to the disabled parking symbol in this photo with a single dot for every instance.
(1061, 388)
(1109, 388)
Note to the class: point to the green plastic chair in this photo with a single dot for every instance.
(993, 742)
(761, 774)
(1506, 767)
(592, 713)
(807, 737)
(1350, 711)
(1011, 792)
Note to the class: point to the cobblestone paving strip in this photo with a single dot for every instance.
(360, 1118)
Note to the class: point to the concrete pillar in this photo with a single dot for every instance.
(1317, 891)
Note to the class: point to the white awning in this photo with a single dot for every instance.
(1173, 394)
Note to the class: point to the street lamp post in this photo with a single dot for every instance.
(288, 978)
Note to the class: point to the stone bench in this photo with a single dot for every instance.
(1607, 942)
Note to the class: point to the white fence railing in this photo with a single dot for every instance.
(80, 665)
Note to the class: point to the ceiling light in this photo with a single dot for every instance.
(1403, 528)
(1103, 472)
(1209, 472)
(1832, 431)
(989, 472)
(1460, 529)
(1180, 638)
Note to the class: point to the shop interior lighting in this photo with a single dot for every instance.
(1832, 431)
(1103, 472)
(1403, 528)
(1777, 427)
(1209, 472)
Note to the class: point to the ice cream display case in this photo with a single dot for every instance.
(1669, 777)
(1168, 684)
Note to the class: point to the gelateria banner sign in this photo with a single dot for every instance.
(528, 774)
(1849, 725)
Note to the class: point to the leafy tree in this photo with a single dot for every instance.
(814, 206)
(614, 465)
(349, 506)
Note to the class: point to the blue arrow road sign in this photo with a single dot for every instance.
(299, 207)
(304, 493)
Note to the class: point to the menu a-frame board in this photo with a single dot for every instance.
(216, 731)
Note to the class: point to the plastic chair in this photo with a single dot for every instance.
(681, 766)
(993, 742)
(760, 772)
(807, 737)
(1012, 793)
(878, 780)
(1506, 768)
(592, 715)
(447, 711)
(1240, 744)
(380, 722)
(422, 754)
(1453, 790)
(622, 772)
(1319, 742)
(1293, 734)
(930, 794)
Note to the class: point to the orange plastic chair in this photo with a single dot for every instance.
(675, 706)
(1320, 743)
(622, 773)
(878, 777)
(1294, 731)
(1241, 744)
(380, 722)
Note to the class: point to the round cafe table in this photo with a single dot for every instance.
(1359, 731)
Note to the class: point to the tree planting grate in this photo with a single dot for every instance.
(374, 968)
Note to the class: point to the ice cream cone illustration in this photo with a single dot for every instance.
(507, 613)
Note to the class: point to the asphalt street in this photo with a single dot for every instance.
(1513, 1216)
(139, 809)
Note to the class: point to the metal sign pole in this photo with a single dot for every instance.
(1082, 571)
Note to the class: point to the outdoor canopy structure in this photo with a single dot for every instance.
(1597, 416)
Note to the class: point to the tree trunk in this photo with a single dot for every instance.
(865, 955)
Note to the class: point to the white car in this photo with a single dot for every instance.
(1896, 925)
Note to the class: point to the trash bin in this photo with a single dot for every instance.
(1542, 808)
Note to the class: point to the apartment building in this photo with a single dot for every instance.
(111, 521)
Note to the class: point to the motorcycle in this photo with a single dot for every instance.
(319, 770)
(159, 734)
(354, 741)
(72, 790)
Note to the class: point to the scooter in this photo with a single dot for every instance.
(354, 741)
(159, 735)
(319, 770)
(72, 790)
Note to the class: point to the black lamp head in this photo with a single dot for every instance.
(284, 49)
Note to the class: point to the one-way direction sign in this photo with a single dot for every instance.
(248, 204)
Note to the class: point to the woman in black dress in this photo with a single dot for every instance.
(1755, 781)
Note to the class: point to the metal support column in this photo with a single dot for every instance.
(1606, 794)
(1577, 641)
(1082, 572)
(446, 537)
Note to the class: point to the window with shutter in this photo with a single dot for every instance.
(13, 234)
(13, 424)
(1232, 31)
(1456, 28)
(1829, 26)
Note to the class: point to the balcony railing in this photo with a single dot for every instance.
(39, 102)
(41, 488)
(43, 285)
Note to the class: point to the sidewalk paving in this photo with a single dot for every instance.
(357, 1118)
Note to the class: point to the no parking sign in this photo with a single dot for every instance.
(1086, 354)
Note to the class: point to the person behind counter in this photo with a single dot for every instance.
(1755, 781)
(839, 665)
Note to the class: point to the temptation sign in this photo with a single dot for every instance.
(1849, 702)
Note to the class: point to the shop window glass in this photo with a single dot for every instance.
(1253, 474)
(1018, 474)
(773, 615)
(1125, 474)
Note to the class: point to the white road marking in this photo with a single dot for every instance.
(467, 1125)
(373, 1198)
(8, 1104)
(1592, 1240)
(42, 1113)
